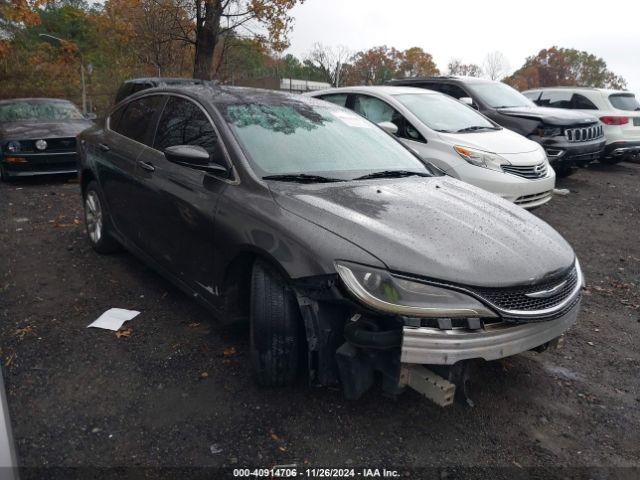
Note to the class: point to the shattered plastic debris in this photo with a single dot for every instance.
(113, 319)
(563, 192)
(215, 449)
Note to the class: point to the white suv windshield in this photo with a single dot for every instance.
(302, 138)
(444, 114)
(500, 95)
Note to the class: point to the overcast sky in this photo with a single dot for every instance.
(469, 29)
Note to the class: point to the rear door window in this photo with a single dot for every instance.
(138, 119)
(624, 101)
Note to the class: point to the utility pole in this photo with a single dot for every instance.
(58, 42)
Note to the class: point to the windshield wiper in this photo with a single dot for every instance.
(302, 178)
(393, 174)
(476, 128)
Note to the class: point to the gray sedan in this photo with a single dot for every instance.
(345, 252)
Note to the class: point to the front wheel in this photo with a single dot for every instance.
(97, 222)
(564, 170)
(276, 328)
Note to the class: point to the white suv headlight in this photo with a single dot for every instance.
(386, 293)
(480, 158)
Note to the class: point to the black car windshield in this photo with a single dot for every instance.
(624, 101)
(38, 110)
(444, 114)
(304, 137)
(500, 95)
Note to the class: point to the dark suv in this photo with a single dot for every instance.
(135, 85)
(569, 138)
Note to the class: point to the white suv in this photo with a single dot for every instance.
(618, 110)
(456, 138)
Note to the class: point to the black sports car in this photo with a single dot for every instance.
(38, 136)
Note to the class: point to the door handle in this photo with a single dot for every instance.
(103, 147)
(146, 166)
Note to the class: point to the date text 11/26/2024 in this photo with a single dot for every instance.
(293, 472)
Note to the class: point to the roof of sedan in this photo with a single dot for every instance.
(221, 94)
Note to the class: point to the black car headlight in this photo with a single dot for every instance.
(549, 131)
(13, 147)
(387, 293)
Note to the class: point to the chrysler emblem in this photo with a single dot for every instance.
(546, 293)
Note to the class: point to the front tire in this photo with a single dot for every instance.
(4, 176)
(564, 170)
(276, 325)
(97, 222)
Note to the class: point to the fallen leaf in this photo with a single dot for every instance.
(282, 449)
(193, 325)
(22, 332)
(124, 332)
(204, 375)
(10, 359)
(229, 352)
(275, 437)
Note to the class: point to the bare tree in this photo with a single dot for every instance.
(496, 66)
(330, 61)
(456, 67)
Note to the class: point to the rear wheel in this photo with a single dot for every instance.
(97, 223)
(276, 328)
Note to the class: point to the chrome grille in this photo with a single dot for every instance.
(529, 171)
(584, 134)
(516, 299)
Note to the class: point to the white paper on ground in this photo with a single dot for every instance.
(113, 318)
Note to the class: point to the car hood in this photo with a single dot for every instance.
(499, 141)
(438, 227)
(35, 130)
(551, 116)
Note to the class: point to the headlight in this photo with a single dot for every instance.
(386, 293)
(13, 147)
(480, 158)
(549, 131)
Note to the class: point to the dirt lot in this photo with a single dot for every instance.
(178, 391)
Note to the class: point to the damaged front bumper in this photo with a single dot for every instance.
(423, 345)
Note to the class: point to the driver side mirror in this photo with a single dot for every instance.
(468, 101)
(389, 127)
(193, 156)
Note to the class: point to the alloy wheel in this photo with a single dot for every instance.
(93, 216)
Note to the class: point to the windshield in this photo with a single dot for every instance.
(299, 137)
(444, 114)
(38, 110)
(624, 101)
(500, 95)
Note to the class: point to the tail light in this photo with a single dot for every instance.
(614, 120)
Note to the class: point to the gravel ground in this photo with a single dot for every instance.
(178, 391)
